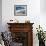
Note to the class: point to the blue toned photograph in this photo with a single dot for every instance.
(20, 10)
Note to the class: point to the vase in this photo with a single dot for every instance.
(41, 43)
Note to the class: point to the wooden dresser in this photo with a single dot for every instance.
(22, 33)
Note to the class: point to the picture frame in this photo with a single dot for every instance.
(20, 10)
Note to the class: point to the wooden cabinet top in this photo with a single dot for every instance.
(17, 27)
(20, 23)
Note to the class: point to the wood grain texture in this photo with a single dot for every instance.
(23, 27)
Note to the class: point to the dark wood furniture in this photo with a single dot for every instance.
(22, 33)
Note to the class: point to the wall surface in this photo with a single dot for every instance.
(43, 14)
(33, 11)
(33, 14)
(43, 6)
(0, 15)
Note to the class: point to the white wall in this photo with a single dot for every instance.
(43, 14)
(43, 6)
(0, 15)
(33, 10)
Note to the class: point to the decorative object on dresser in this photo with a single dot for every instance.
(22, 33)
(13, 21)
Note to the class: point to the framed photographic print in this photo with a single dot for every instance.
(20, 10)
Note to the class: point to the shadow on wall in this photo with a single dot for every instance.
(43, 6)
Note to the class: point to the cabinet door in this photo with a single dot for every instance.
(20, 37)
